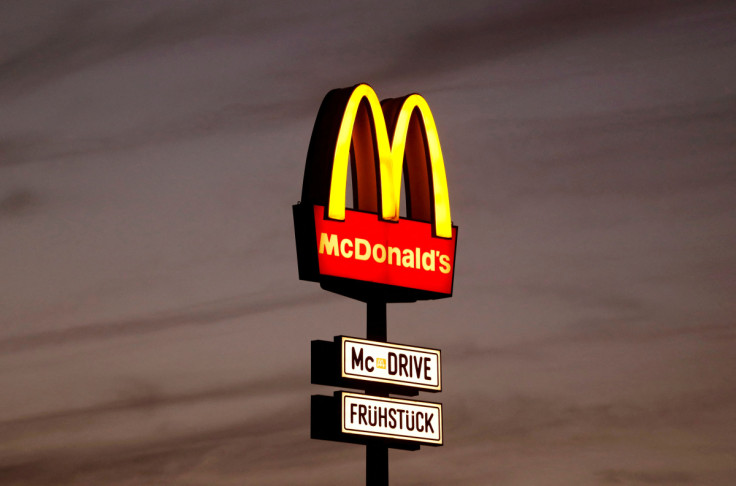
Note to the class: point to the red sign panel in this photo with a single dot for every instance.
(371, 253)
(401, 254)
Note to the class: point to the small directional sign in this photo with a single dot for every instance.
(395, 364)
(391, 418)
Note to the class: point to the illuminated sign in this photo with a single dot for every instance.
(391, 363)
(391, 418)
(370, 251)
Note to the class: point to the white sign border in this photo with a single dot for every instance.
(344, 374)
(415, 403)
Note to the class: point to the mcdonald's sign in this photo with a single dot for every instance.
(370, 252)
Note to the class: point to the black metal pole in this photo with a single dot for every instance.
(376, 465)
(376, 455)
(376, 328)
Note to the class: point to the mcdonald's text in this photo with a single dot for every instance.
(403, 253)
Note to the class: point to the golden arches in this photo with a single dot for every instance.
(390, 158)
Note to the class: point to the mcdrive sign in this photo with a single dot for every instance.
(370, 251)
(394, 364)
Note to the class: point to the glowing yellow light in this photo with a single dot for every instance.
(391, 158)
(443, 221)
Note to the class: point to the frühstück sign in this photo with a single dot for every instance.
(391, 418)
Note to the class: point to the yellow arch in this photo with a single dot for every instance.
(391, 158)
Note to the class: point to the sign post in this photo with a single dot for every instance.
(371, 254)
(376, 455)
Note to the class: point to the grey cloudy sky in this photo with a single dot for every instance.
(152, 326)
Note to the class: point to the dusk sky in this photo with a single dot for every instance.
(153, 329)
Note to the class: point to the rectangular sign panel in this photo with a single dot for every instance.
(402, 254)
(391, 363)
(391, 418)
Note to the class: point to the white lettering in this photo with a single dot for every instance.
(428, 260)
(445, 264)
(379, 248)
(328, 244)
(346, 253)
(394, 251)
(362, 249)
(365, 253)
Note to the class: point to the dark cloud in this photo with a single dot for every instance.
(74, 36)
(240, 450)
(230, 118)
(144, 396)
(669, 161)
(623, 476)
(18, 149)
(207, 314)
(618, 331)
(496, 31)
(254, 448)
(17, 201)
